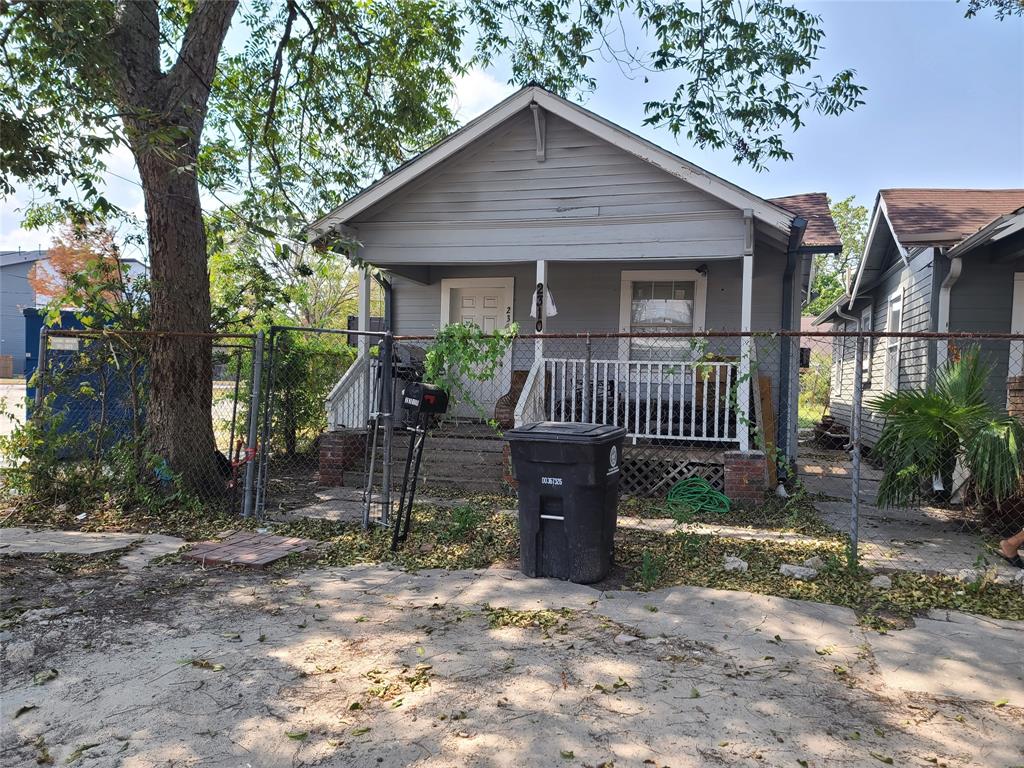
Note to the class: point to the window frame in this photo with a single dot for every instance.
(630, 276)
(891, 381)
(867, 314)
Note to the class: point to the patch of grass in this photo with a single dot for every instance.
(691, 559)
(191, 521)
(498, 618)
(440, 538)
(795, 514)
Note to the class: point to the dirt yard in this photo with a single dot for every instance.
(363, 666)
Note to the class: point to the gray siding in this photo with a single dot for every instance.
(15, 295)
(588, 200)
(588, 299)
(916, 284)
(981, 301)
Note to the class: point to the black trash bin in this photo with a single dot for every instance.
(568, 498)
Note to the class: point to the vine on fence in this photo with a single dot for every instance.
(464, 351)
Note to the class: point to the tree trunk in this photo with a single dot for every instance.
(179, 415)
(164, 115)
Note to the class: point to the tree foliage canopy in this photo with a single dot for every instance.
(311, 99)
(830, 270)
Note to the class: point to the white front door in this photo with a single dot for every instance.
(487, 303)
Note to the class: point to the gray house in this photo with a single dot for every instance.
(936, 260)
(539, 197)
(16, 294)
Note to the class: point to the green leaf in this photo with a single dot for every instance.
(360, 731)
(297, 735)
(44, 676)
(567, 754)
(881, 758)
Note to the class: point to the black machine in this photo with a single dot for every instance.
(421, 404)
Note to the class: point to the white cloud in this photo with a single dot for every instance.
(476, 92)
(121, 188)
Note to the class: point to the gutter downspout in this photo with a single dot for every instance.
(783, 436)
(942, 322)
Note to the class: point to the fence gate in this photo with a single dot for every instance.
(323, 432)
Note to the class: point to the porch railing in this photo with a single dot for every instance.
(684, 401)
(348, 402)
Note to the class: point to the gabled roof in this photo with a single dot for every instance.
(916, 218)
(821, 232)
(763, 210)
(999, 228)
(945, 216)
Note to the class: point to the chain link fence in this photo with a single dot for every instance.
(86, 437)
(905, 447)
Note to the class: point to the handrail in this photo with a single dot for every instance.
(345, 395)
(530, 393)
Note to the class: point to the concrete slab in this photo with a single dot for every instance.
(921, 539)
(751, 627)
(18, 541)
(965, 656)
(503, 588)
(141, 550)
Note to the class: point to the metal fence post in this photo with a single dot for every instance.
(254, 409)
(387, 399)
(586, 381)
(41, 365)
(858, 391)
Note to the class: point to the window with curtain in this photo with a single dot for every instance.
(661, 306)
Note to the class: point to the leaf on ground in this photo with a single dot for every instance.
(881, 758)
(828, 650)
(694, 693)
(44, 677)
(354, 706)
(203, 664)
(1001, 703)
(361, 731)
(262, 638)
(567, 754)
(25, 708)
(233, 637)
(80, 750)
(297, 735)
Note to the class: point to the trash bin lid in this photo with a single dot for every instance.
(565, 432)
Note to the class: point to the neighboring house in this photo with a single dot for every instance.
(935, 260)
(623, 235)
(17, 295)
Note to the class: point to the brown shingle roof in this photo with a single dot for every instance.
(945, 216)
(813, 206)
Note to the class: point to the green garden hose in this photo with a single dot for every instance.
(694, 495)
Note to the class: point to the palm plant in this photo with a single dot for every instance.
(929, 431)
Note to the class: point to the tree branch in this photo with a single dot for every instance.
(191, 77)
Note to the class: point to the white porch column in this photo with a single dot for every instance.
(363, 342)
(746, 298)
(540, 287)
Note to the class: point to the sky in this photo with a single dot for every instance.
(944, 108)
